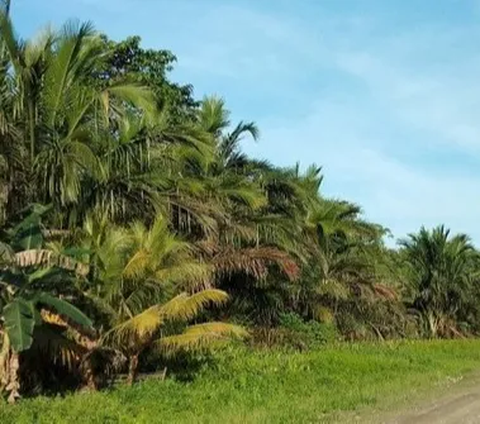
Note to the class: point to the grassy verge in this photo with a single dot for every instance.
(251, 386)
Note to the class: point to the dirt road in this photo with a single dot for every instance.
(462, 407)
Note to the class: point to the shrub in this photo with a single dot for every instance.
(311, 333)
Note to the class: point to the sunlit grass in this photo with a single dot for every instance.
(269, 386)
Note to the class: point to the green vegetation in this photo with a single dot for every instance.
(266, 386)
(135, 235)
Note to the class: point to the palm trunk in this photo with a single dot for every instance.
(132, 369)
(91, 384)
(31, 125)
(88, 375)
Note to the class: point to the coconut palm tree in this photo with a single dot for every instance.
(59, 115)
(165, 327)
(148, 282)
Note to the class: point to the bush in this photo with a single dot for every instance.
(310, 333)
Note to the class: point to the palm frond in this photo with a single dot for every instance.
(136, 330)
(187, 275)
(213, 116)
(201, 336)
(185, 307)
(137, 95)
(254, 261)
(75, 54)
(137, 265)
(10, 42)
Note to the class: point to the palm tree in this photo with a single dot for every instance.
(214, 119)
(61, 117)
(442, 271)
(148, 282)
(164, 327)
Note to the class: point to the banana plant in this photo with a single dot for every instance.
(30, 285)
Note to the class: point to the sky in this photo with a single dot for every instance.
(383, 95)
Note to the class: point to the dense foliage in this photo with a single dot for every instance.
(134, 227)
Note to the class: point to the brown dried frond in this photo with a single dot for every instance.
(386, 292)
(255, 262)
(37, 257)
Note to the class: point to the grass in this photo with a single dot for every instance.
(270, 387)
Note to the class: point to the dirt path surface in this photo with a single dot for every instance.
(460, 407)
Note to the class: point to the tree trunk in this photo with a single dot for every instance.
(88, 375)
(13, 379)
(132, 369)
(31, 125)
(4, 359)
(9, 367)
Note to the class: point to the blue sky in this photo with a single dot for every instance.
(384, 95)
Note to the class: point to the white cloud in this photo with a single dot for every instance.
(273, 54)
(396, 194)
(446, 106)
(403, 85)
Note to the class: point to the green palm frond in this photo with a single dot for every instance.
(140, 328)
(13, 46)
(187, 274)
(333, 288)
(76, 52)
(201, 336)
(185, 307)
(251, 196)
(36, 50)
(156, 251)
(213, 117)
(136, 330)
(137, 95)
(138, 264)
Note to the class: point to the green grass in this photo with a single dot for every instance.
(266, 386)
